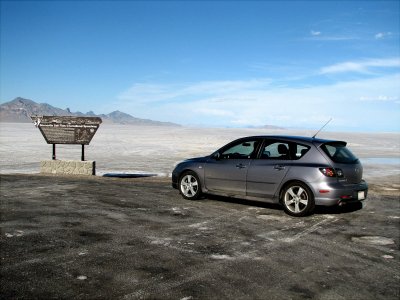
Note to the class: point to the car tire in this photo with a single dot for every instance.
(297, 199)
(189, 186)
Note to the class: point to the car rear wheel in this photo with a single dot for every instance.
(298, 200)
(189, 186)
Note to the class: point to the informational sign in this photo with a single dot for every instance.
(66, 129)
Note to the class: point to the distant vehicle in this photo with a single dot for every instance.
(297, 172)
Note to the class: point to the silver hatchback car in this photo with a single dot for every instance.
(297, 172)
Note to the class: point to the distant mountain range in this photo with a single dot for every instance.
(19, 110)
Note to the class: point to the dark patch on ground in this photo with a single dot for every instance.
(136, 238)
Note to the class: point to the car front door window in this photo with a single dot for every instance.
(226, 172)
(243, 150)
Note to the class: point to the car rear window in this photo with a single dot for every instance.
(339, 153)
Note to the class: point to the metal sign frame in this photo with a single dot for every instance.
(67, 130)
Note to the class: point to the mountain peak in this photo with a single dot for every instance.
(20, 109)
(22, 101)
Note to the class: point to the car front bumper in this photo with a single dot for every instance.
(174, 182)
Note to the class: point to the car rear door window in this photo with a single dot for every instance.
(301, 150)
(283, 150)
(275, 150)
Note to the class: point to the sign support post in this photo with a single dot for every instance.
(72, 131)
(54, 152)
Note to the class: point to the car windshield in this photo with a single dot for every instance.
(339, 153)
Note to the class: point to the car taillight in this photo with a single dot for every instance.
(331, 172)
(328, 172)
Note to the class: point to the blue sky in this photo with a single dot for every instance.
(209, 63)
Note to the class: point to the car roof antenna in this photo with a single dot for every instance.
(321, 128)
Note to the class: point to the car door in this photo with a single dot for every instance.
(226, 171)
(266, 172)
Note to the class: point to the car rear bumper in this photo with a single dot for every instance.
(329, 194)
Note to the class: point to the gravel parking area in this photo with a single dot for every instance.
(136, 238)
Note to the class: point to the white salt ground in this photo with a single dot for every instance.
(156, 149)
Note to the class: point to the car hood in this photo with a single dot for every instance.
(197, 159)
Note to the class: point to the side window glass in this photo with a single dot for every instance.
(276, 150)
(240, 151)
(301, 150)
(331, 150)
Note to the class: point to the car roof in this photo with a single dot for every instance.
(297, 139)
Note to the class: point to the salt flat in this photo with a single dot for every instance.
(156, 149)
(136, 238)
(107, 238)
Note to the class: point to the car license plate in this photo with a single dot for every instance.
(361, 195)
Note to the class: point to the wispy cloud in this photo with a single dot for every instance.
(315, 33)
(259, 102)
(214, 112)
(380, 98)
(319, 36)
(150, 92)
(382, 35)
(361, 66)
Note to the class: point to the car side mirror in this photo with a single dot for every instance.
(217, 156)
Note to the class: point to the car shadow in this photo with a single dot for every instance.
(128, 175)
(245, 202)
(319, 210)
(344, 209)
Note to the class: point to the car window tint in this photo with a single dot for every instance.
(240, 150)
(301, 150)
(338, 152)
(275, 150)
(284, 151)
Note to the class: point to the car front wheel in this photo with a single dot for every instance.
(298, 200)
(189, 186)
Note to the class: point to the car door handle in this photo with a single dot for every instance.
(279, 167)
(240, 166)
